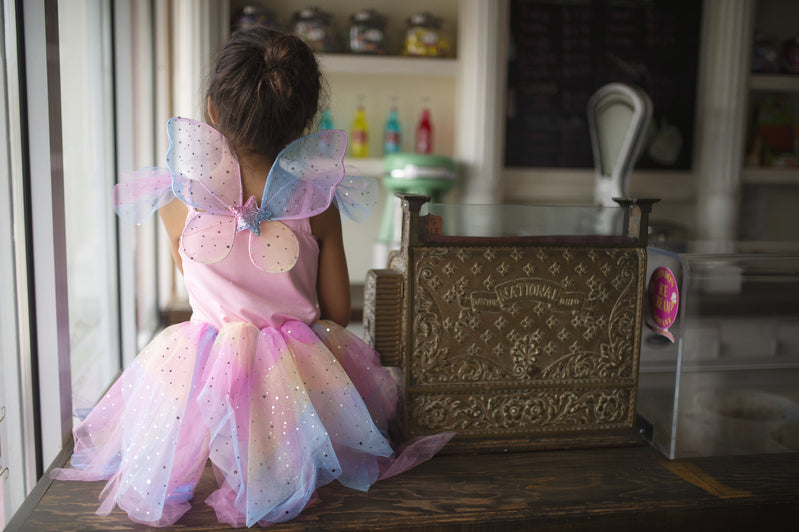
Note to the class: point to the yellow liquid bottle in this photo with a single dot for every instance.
(359, 135)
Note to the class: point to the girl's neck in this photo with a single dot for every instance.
(254, 170)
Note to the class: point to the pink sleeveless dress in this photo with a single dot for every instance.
(279, 402)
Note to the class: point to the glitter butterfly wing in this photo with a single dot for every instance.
(300, 184)
(305, 175)
(139, 194)
(206, 175)
(205, 172)
(276, 250)
(356, 197)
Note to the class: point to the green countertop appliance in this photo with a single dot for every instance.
(412, 173)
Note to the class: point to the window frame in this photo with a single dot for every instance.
(18, 443)
(32, 227)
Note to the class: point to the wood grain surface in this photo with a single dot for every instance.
(630, 488)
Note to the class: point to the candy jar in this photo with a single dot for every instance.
(367, 32)
(424, 36)
(790, 56)
(252, 15)
(764, 54)
(315, 27)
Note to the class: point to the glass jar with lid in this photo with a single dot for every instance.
(425, 37)
(316, 28)
(367, 32)
(251, 15)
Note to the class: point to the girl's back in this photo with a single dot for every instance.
(234, 289)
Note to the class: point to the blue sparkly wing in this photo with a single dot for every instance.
(304, 176)
(309, 174)
(356, 197)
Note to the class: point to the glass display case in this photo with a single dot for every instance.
(728, 383)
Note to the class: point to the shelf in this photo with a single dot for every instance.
(770, 176)
(384, 65)
(774, 82)
(369, 167)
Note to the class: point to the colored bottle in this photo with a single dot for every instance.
(326, 122)
(424, 133)
(359, 136)
(392, 140)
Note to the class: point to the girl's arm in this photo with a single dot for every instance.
(333, 280)
(173, 215)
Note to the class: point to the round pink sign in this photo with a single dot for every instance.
(664, 299)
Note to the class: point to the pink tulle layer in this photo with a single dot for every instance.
(279, 412)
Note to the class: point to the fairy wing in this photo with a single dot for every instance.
(139, 194)
(356, 197)
(205, 173)
(304, 177)
(301, 183)
(276, 249)
(206, 176)
(208, 237)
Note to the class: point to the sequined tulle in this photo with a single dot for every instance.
(280, 403)
(274, 410)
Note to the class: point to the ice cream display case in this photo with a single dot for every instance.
(516, 327)
(719, 363)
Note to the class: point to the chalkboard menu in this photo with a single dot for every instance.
(561, 52)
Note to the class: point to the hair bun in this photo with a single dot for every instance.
(266, 87)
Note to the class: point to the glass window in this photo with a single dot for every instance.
(87, 117)
(103, 75)
(17, 450)
(71, 272)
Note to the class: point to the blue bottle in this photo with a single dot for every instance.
(392, 140)
(326, 122)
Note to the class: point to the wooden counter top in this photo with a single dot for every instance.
(625, 488)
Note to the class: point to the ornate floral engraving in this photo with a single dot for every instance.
(522, 410)
(582, 303)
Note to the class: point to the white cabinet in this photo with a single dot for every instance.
(378, 83)
(382, 81)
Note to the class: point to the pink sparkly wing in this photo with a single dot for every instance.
(139, 194)
(305, 175)
(205, 175)
(276, 250)
(208, 237)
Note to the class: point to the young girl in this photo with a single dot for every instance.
(264, 380)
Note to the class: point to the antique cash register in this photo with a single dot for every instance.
(516, 327)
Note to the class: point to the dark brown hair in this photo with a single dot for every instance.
(265, 87)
